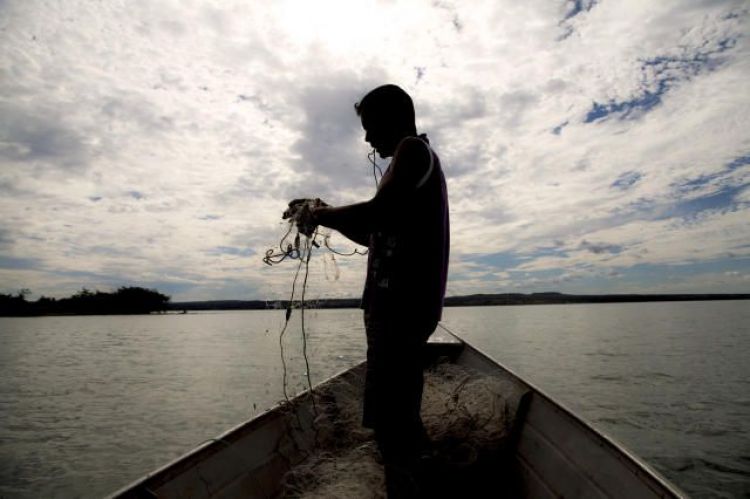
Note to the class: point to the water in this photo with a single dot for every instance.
(88, 404)
(671, 381)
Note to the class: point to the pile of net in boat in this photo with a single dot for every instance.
(468, 416)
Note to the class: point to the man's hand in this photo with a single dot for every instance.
(302, 213)
(296, 205)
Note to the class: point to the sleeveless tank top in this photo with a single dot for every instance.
(407, 266)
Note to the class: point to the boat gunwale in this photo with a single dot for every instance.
(619, 449)
(184, 461)
(235, 433)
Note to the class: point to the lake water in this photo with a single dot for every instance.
(88, 404)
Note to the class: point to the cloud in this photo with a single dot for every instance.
(627, 180)
(39, 138)
(5, 238)
(229, 250)
(331, 133)
(7, 262)
(514, 105)
(576, 7)
(558, 129)
(599, 248)
(660, 74)
(583, 141)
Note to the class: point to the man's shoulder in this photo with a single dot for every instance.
(415, 148)
(415, 153)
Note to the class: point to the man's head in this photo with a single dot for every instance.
(387, 115)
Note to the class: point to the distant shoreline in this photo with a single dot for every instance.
(476, 300)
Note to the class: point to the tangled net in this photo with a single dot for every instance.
(468, 416)
(298, 245)
(301, 237)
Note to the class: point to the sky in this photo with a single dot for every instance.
(589, 146)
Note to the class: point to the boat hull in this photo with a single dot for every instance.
(553, 452)
(558, 454)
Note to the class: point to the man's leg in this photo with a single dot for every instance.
(396, 381)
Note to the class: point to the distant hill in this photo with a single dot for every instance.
(547, 298)
(125, 300)
(552, 298)
(135, 300)
(262, 304)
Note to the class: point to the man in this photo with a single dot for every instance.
(405, 226)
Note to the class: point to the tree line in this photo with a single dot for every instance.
(126, 300)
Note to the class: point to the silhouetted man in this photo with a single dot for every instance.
(405, 226)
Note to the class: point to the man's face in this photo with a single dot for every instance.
(380, 135)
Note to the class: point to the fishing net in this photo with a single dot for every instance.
(301, 238)
(468, 416)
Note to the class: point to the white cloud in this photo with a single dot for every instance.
(136, 139)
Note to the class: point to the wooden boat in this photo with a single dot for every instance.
(550, 451)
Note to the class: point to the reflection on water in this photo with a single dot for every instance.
(88, 404)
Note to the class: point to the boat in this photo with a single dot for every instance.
(548, 451)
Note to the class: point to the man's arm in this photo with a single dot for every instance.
(357, 221)
(351, 220)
